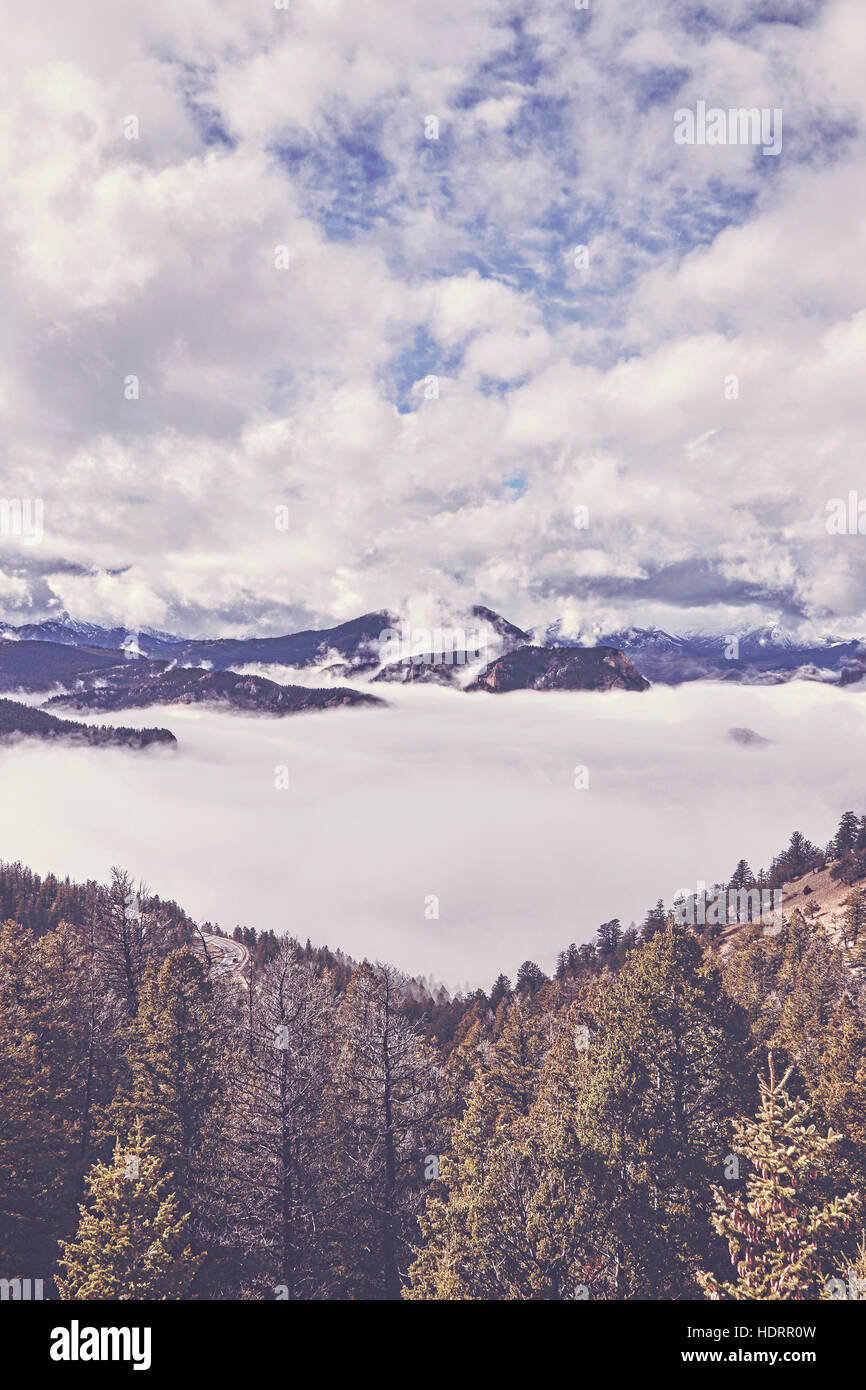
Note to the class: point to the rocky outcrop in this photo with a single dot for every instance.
(561, 668)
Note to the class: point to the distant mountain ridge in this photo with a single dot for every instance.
(67, 632)
(765, 655)
(294, 649)
(65, 654)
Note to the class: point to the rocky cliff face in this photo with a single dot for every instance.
(427, 672)
(561, 668)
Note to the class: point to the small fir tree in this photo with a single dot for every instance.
(130, 1242)
(779, 1233)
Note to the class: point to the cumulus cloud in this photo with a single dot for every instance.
(339, 263)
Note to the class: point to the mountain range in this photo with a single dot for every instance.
(83, 667)
(758, 656)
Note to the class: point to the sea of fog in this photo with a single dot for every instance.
(465, 803)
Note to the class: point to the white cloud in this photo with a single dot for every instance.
(412, 258)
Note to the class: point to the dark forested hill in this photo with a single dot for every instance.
(22, 721)
(141, 683)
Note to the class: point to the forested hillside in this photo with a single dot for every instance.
(23, 721)
(676, 1114)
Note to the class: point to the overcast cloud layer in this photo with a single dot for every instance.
(411, 257)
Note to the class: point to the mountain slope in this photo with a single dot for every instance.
(572, 668)
(350, 640)
(138, 684)
(23, 721)
(38, 665)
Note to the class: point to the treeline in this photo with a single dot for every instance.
(41, 904)
(615, 1132)
(18, 720)
(440, 1015)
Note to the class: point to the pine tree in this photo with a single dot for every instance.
(131, 1236)
(384, 1103)
(567, 963)
(127, 936)
(608, 936)
(654, 921)
(566, 1209)
(850, 1282)
(742, 876)
(854, 917)
(277, 1160)
(839, 1088)
(52, 1025)
(799, 857)
(846, 836)
(811, 979)
(530, 977)
(176, 1073)
(501, 990)
(471, 1042)
(35, 1147)
(669, 1070)
(780, 1232)
(477, 1243)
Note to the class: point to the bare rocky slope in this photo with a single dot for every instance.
(561, 668)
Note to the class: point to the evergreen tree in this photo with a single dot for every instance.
(501, 991)
(276, 1170)
(530, 978)
(127, 937)
(669, 1068)
(384, 1105)
(476, 1239)
(812, 977)
(850, 1282)
(654, 921)
(854, 917)
(742, 877)
(846, 835)
(175, 1083)
(567, 963)
(35, 1146)
(608, 936)
(780, 1232)
(131, 1236)
(839, 1087)
(57, 1056)
(800, 857)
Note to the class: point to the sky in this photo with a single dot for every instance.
(320, 263)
